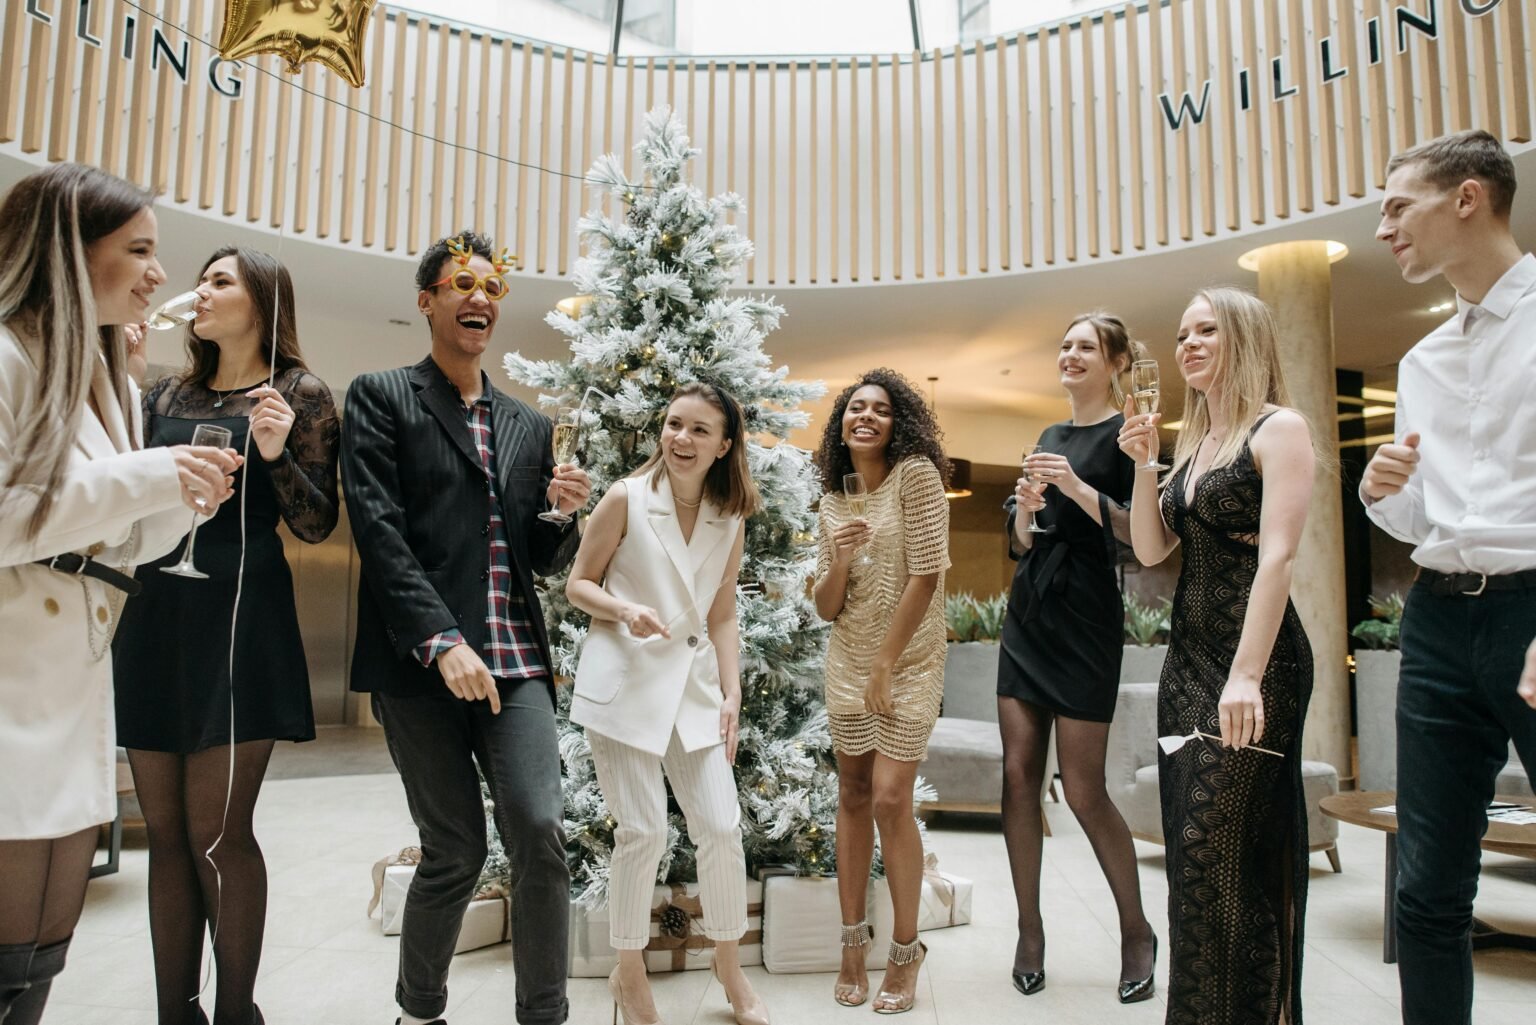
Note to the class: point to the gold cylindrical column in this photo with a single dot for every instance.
(1294, 279)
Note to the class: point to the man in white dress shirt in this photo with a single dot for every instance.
(1460, 484)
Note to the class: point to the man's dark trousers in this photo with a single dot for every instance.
(435, 741)
(1457, 711)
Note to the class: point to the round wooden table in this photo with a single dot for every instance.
(1358, 807)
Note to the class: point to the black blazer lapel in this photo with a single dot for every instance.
(508, 430)
(438, 396)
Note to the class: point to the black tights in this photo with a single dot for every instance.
(1080, 750)
(40, 902)
(183, 801)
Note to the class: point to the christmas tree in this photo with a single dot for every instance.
(654, 314)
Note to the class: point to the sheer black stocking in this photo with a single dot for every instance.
(40, 904)
(1026, 733)
(183, 800)
(1081, 748)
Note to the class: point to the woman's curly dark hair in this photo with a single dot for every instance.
(914, 429)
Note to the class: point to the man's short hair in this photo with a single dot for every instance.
(430, 268)
(1448, 161)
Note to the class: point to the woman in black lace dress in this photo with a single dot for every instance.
(172, 653)
(1239, 668)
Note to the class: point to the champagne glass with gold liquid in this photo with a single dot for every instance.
(174, 312)
(1029, 478)
(203, 436)
(567, 439)
(856, 494)
(1147, 396)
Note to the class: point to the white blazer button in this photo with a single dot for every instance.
(693, 642)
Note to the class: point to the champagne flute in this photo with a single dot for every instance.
(209, 436)
(174, 312)
(1029, 478)
(856, 494)
(566, 440)
(1147, 395)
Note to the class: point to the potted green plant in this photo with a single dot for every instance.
(1146, 639)
(970, 666)
(1377, 661)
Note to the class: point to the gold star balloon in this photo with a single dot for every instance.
(327, 31)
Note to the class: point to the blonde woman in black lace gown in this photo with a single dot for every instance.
(1239, 668)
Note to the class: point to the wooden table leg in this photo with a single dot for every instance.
(1389, 905)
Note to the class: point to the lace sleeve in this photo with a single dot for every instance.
(1115, 513)
(924, 518)
(304, 477)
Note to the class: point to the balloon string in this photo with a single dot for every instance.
(234, 619)
(291, 83)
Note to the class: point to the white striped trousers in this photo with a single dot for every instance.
(705, 786)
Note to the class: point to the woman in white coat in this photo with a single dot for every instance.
(81, 502)
(658, 686)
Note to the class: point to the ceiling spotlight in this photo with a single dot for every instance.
(1250, 260)
(1444, 307)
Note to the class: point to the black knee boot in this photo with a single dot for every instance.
(26, 974)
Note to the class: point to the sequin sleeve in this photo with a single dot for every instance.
(304, 477)
(924, 517)
(823, 542)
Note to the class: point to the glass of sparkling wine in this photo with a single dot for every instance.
(1146, 394)
(210, 436)
(567, 439)
(1033, 528)
(174, 312)
(856, 493)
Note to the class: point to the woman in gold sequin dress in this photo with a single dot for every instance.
(885, 659)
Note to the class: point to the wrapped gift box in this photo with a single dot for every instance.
(487, 921)
(802, 924)
(946, 899)
(677, 940)
(397, 880)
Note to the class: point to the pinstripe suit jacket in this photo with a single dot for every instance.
(416, 498)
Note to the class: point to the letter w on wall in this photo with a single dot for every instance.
(1187, 107)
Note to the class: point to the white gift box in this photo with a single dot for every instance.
(397, 880)
(592, 955)
(946, 901)
(487, 921)
(802, 924)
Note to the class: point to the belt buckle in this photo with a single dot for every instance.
(53, 564)
(1482, 585)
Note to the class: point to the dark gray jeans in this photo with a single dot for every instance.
(1457, 711)
(435, 741)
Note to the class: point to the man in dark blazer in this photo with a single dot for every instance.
(444, 478)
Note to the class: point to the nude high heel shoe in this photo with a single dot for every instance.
(852, 994)
(914, 953)
(620, 1006)
(757, 1014)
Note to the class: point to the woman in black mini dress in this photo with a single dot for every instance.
(1061, 644)
(175, 706)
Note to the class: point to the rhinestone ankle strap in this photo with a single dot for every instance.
(857, 935)
(905, 953)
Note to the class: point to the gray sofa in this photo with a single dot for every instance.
(1131, 774)
(965, 753)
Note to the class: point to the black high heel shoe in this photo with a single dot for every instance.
(1029, 983)
(1140, 989)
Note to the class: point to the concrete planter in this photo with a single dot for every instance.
(970, 680)
(1143, 664)
(1376, 717)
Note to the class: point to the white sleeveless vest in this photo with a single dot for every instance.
(637, 691)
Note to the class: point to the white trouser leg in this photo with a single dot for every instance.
(632, 788)
(705, 786)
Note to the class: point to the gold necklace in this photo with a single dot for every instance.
(687, 505)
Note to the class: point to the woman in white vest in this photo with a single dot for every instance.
(658, 687)
(81, 501)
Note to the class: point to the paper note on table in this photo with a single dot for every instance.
(1513, 816)
(1386, 809)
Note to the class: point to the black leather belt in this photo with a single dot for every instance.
(79, 565)
(1446, 585)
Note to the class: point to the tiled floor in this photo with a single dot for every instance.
(326, 964)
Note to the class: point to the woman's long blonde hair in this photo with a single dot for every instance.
(1247, 372)
(46, 222)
